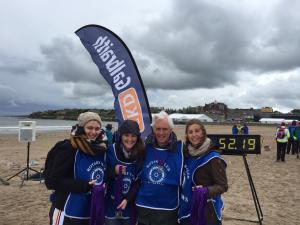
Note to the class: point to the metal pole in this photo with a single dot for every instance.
(253, 191)
(27, 166)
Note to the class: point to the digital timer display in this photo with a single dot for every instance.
(237, 144)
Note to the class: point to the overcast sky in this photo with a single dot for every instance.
(242, 53)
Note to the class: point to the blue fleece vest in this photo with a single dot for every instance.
(132, 171)
(190, 166)
(86, 168)
(161, 178)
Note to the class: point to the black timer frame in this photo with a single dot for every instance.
(241, 145)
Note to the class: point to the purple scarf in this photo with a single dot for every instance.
(133, 211)
(97, 205)
(118, 188)
(119, 196)
(199, 201)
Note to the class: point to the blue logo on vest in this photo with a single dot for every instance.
(98, 175)
(126, 185)
(186, 175)
(157, 174)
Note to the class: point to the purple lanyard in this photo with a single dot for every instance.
(118, 198)
(199, 201)
(118, 188)
(97, 205)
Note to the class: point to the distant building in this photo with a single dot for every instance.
(295, 111)
(216, 107)
(266, 110)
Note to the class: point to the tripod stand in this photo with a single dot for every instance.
(253, 191)
(27, 168)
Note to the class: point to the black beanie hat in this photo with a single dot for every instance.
(130, 127)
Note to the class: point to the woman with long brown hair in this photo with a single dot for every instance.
(204, 179)
(124, 161)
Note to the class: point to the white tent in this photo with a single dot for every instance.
(274, 120)
(179, 117)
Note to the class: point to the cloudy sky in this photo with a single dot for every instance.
(243, 53)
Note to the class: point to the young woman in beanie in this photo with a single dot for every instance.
(124, 162)
(79, 164)
(204, 179)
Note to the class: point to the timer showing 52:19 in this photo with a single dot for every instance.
(236, 144)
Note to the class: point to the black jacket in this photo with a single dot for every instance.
(62, 176)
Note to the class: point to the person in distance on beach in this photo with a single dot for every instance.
(292, 142)
(109, 133)
(234, 129)
(245, 129)
(78, 165)
(282, 137)
(158, 195)
(204, 179)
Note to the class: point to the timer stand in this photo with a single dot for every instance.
(241, 145)
(253, 191)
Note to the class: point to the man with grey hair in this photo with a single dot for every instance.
(158, 196)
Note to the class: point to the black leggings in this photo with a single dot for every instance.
(73, 221)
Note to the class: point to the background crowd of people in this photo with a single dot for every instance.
(240, 129)
(288, 140)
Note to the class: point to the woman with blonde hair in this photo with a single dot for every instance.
(78, 164)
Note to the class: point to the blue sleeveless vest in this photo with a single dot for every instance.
(190, 166)
(161, 178)
(86, 167)
(132, 171)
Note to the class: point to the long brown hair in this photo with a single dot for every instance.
(188, 124)
(138, 150)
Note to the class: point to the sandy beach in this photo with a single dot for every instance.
(277, 183)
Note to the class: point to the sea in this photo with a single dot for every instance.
(10, 125)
